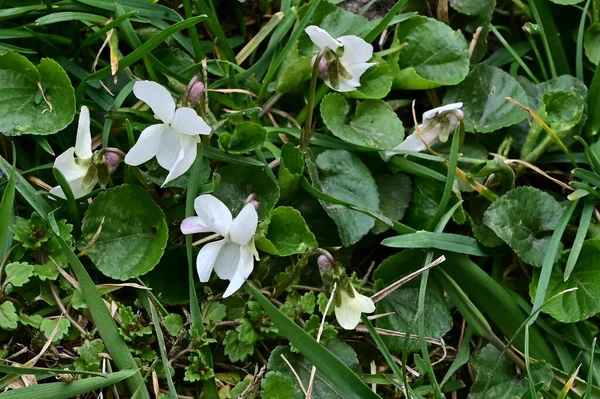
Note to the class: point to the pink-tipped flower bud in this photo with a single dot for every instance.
(194, 91)
(254, 203)
(322, 70)
(112, 158)
(325, 262)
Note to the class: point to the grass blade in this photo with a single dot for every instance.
(45, 371)
(66, 390)
(584, 224)
(442, 241)
(413, 168)
(332, 368)
(376, 31)
(579, 49)
(6, 214)
(555, 52)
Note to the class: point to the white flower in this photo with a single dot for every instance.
(74, 169)
(347, 58)
(350, 309)
(437, 125)
(173, 142)
(231, 257)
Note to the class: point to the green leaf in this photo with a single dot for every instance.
(18, 273)
(585, 301)
(238, 182)
(48, 325)
(503, 380)
(483, 94)
(322, 389)
(376, 82)
(342, 175)
(21, 102)
(235, 348)
(157, 175)
(403, 302)
(34, 320)
(133, 236)
(294, 71)
(435, 55)
(290, 169)
(591, 43)
(66, 390)
(521, 218)
(246, 137)
(566, 2)
(564, 111)
(89, 355)
(375, 125)
(442, 241)
(276, 385)
(394, 197)
(285, 233)
(7, 214)
(167, 278)
(426, 196)
(8, 316)
(333, 370)
(173, 323)
(47, 271)
(472, 7)
(215, 313)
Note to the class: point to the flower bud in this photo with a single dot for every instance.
(322, 70)
(254, 203)
(112, 159)
(325, 262)
(194, 91)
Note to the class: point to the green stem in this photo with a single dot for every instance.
(307, 133)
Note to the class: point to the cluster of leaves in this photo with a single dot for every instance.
(107, 282)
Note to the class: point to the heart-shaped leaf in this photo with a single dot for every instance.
(285, 233)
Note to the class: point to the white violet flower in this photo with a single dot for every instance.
(173, 142)
(437, 125)
(344, 61)
(88, 168)
(350, 309)
(231, 257)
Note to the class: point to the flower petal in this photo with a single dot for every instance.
(412, 143)
(356, 70)
(321, 38)
(205, 262)
(77, 189)
(228, 261)
(214, 213)
(244, 225)
(185, 159)
(187, 121)
(366, 303)
(343, 86)
(70, 169)
(348, 314)
(157, 97)
(193, 224)
(147, 145)
(169, 149)
(83, 141)
(243, 270)
(356, 50)
(436, 111)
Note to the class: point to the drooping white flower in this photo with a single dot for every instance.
(346, 59)
(173, 142)
(350, 309)
(231, 257)
(75, 170)
(437, 125)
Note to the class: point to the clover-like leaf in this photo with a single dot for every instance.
(483, 94)
(34, 100)
(8, 316)
(133, 236)
(285, 233)
(375, 125)
(435, 55)
(344, 176)
(246, 137)
(522, 218)
(583, 303)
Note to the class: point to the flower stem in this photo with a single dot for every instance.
(307, 133)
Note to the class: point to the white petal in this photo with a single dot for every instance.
(356, 70)
(366, 303)
(147, 145)
(70, 169)
(244, 225)
(321, 38)
(214, 213)
(193, 224)
(356, 50)
(207, 256)
(187, 121)
(436, 111)
(157, 97)
(169, 149)
(77, 189)
(83, 142)
(228, 261)
(243, 270)
(187, 156)
(412, 143)
(343, 86)
(348, 314)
